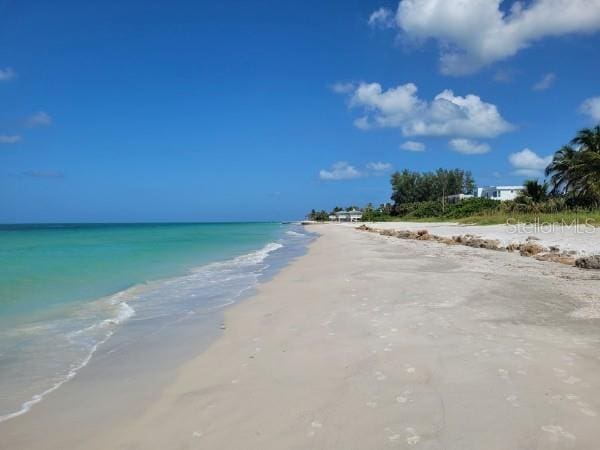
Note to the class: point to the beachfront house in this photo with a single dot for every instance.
(353, 215)
(500, 193)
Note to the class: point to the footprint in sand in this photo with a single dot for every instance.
(413, 438)
(585, 409)
(380, 376)
(556, 433)
(404, 398)
(315, 426)
(512, 399)
(394, 437)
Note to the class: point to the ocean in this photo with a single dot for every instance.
(68, 291)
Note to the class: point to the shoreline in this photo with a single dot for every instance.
(131, 349)
(369, 342)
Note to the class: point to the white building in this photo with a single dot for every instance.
(501, 193)
(348, 216)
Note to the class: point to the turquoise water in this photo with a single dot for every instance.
(43, 266)
(65, 290)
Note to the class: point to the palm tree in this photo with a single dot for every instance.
(535, 191)
(575, 168)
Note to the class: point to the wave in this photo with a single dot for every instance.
(295, 233)
(212, 287)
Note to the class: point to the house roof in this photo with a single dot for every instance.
(501, 188)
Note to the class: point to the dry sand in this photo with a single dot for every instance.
(372, 342)
(581, 238)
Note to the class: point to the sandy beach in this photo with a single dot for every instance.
(373, 342)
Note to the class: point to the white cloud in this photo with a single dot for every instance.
(413, 146)
(342, 87)
(545, 82)
(9, 139)
(591, 107)
(475, 33)
(505, 75)
(382, 18)
(39, 119)
(341, 170)
(528, 163)
(362, 123)
(379, 166)
(445, 115)
(7, 74)
(469, 147)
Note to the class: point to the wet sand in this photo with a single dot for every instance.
(373, 342)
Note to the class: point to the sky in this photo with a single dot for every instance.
(144, 111)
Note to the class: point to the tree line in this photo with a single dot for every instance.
(412, 187)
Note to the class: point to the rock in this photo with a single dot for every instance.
(388, 233)
(531, 249)
(588, 262)
(405, 234)
(532, 238)
(556, 257)
(423, 235)
(476, 242)
(512, 247)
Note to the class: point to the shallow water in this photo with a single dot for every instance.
(67, 292)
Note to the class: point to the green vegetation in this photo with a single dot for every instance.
(412, 187)
(575, 169)
(572, 193)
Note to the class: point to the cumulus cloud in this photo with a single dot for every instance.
(9, 139)
(528, 163)
(340, 170)
(342, 87)
(591, 107)
(469, 147)
(7, 74)
(475, 33)
(39, 119)
(545, 82)
(382, 18)
(413, 146)
(379, 166)
(446, 115)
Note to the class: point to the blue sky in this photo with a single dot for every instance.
(192, 111)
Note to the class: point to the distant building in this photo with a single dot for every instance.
(501, 193)
(348, 216)
(458, 197)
